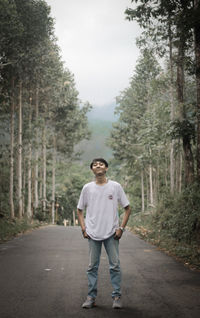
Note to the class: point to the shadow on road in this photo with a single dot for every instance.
(104, 311)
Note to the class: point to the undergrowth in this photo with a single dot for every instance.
(174, 226)
(12, 227)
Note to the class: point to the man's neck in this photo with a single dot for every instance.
(101, 180)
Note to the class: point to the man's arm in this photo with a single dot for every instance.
(126, 216)
(127, 213)
(82, 223)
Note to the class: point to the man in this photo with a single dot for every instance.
(100, 198)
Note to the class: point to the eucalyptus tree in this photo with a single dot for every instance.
(70, 125)
(40, 24)
(46, 101)
(25, 26)
(34, 82)
(196, 26)
(179, 19)
(159, 35)
(37, 24)
(11, 30)
(134, 136)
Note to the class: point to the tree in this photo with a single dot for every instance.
(181, 16)
(34, 83)
(137, 137)
(9, 37)
(70, 124)
(197, 56)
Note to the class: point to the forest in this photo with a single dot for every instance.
(42, 118)
(155, 141)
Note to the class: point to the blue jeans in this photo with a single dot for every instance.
(112, 249)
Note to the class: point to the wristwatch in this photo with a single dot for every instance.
(122, 228)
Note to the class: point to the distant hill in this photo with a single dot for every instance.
(100, 124)
(105, 112)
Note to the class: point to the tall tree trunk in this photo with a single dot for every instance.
(32, 190)
(20, 203)
(29, 210)
(177, 171)
(188, 156)
(44, 200)
(36, 203)
(197, 57)
(53, 180)
(151, 183)
(157, 184)
(172, 166)
(12, 212)
(179, 167)
(74, 218)
(23, 185)
(147, 190)
(142, 189)
(40, 183)
(166, 171)
(172, 111)
(188, 161)
(180, 172)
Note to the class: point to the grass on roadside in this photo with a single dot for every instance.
(145, 227)
(10, 228)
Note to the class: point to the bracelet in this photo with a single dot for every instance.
(122, 228)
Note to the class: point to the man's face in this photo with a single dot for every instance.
(99, 168)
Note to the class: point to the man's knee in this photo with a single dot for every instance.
(115, 267)
(93, 267)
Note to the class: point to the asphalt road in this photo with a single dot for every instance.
(43, 275)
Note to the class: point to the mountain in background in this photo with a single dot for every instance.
(106, 112)
(100, 124)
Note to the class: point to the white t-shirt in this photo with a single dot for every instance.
(101, 203)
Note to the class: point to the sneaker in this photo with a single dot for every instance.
(89, 303)
(117, 303)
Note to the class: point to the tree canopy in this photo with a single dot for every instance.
(40, 104)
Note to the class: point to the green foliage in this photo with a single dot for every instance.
(70, 179)
(138, 124)
(4, 168)
(10, 228)
(41, 216)
(182, 128)
(142, 137)
(175, 225)
(179, 216)
(146, 227)
(139, 138)
(29, 55)
(163, 19)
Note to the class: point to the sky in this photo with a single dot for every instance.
(97, 45)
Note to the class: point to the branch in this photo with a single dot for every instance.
(2, 65)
